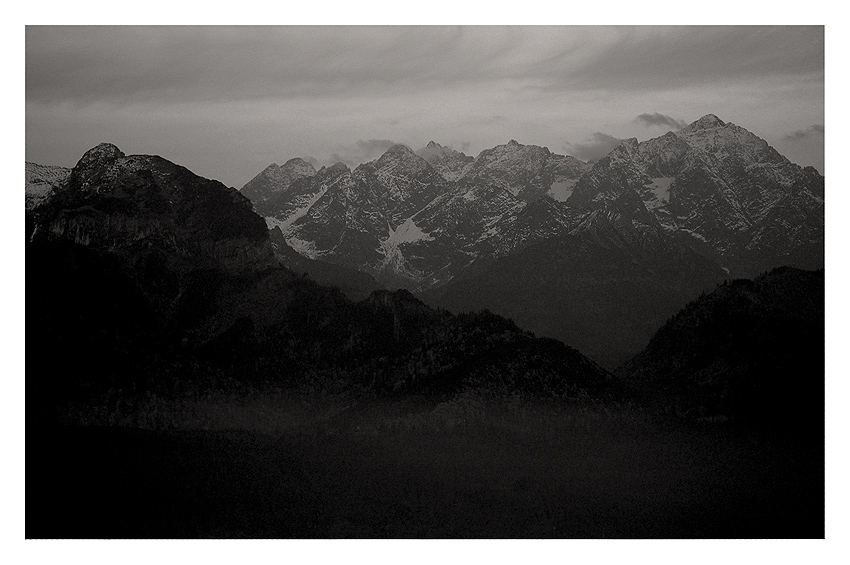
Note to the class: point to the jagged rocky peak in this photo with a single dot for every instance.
(450, 163)
(401, 158)
(717, 141)
(296, 165)
(275, 179)
(337, 168)
(708, 121)
(92, 163)
(120, 203)
(630, 143)
(398, 150)
(437, 153)
(299, 163)
(102, 153)
(626, 149)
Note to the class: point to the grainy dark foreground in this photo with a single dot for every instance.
(466, 468)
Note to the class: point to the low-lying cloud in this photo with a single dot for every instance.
(814, 130)
(362, 151)
(656, 119)
(599, 145)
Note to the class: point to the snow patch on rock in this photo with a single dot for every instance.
(561, 190)
(659, 192)
(408, 232)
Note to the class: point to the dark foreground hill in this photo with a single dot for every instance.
(752, 352)
(142, 274)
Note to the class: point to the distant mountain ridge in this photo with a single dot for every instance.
(720, 190)
(714, 186)
(273, 180)
(450, 163)
(718, 200)
(417, 219)
(519, 230)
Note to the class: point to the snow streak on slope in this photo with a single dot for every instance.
(296, 214)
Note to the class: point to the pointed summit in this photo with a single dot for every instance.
(274, 180)
(91, 164)
(298, 162)
(627, 146)
(100, 154)
(399, 150)
(398, 154)
(706, 122)
(448, 162)
(338, 167)
(513, 142)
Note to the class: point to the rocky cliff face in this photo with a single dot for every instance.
(666, 218)
(419, 221)
(42, 181)
(273, 181)
(416, 220)
(718, 188)
(124, 204)
(450, 163)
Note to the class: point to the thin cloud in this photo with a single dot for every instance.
(258, 94)
(659, 58)
(599, 145)
(363, 151)
(814, 130)
(170, 64)
(656, 119)
(374, 147)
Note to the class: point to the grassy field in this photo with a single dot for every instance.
(280, 465)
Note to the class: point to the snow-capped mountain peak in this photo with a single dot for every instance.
(706, 122)
(275, 180)
(712, 185)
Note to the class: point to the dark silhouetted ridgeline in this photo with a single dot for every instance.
(751, 352)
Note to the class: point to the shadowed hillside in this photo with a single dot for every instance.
(143, 275)
(751, 351)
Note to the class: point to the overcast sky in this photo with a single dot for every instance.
(228, 101)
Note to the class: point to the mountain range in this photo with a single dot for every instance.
(162, 300)
(171, 278)
(597, 255)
